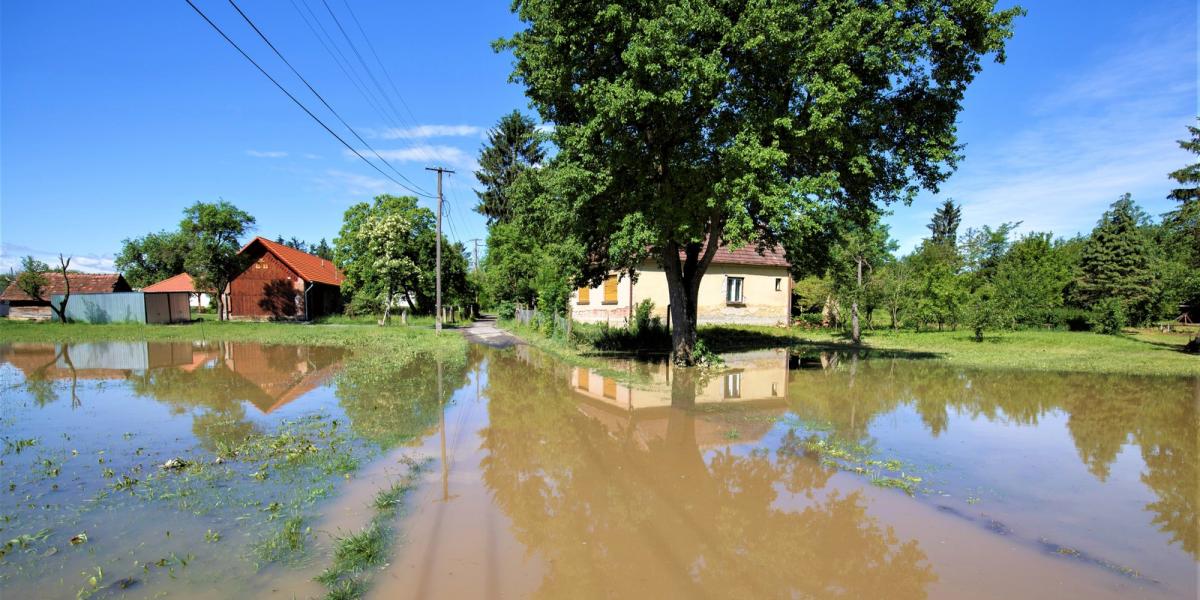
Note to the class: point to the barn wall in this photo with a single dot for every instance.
(267, 289)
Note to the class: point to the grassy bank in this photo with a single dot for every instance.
(417, 337)
(1138, 352)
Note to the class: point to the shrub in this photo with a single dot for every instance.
(506, 310)
(364, 304)
(1108, 316)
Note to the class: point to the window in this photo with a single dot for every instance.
(585, 295)
(779, 284)
(610, 290)
(733, 385)
(733, 290)
(610, 388)
(583, 375)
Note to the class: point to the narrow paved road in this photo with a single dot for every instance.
(484, 331)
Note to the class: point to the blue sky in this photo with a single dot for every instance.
(115, 116)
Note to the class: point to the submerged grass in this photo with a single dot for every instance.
(356, 553)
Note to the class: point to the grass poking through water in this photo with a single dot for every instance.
(356, 554)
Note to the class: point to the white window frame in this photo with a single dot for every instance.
(741, 289)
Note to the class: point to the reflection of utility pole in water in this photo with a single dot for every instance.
(442, 434)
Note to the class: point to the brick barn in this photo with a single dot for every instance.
(22, 306)
(282, 282)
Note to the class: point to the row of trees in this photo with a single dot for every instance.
(385, 248)
(1129, 270)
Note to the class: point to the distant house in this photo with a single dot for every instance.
(282, 282)
(22, 306)
(183, 282)
(740, 286)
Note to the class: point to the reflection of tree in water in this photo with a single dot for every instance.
(661, 520)
(1104, 412)
(391, 400)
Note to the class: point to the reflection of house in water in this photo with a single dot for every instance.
(752, 383)
(266, 376)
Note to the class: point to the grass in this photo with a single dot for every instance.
(1137, 352)
(354, 554)
(354, 335)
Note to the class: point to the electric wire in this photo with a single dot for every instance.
(295, 100)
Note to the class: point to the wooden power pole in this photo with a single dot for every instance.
(438, 250)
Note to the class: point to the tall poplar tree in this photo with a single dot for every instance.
(682, 126)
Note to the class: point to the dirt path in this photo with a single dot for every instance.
(484, 331)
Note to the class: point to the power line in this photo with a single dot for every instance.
(293, 98)
(347, 68)
(362, 62)
(382, 67)
(320, 97)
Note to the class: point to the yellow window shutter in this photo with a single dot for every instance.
(585, 295)
(610, 290)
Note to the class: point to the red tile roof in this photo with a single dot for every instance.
(748, 255)
(308, 267)
(81, 283)
(179, 283)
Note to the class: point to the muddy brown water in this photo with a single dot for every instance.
(777, 476)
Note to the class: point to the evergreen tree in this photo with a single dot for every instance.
(512, 146)
(944, 226)
(1181, 238)
(1117, 262)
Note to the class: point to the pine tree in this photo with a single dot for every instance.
(944, 226)
(1182, 226)
(513, 145)
(1117, 262)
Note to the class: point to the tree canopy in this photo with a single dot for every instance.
(153, 257)
(513, 146)
(682, 127)
(214, 230)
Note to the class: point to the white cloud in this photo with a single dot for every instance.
(11, 255)
(425, 131)
(1109, 130)
(429, 155)
(266, 153)
(355, 184)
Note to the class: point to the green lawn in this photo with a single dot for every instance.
(1140, 352)
(394, 339)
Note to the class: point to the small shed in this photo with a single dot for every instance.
(183, 282)
(22, 306)
(128, 307)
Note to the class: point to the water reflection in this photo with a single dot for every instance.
(1104, 413)
(631, 505)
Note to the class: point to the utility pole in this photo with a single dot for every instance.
(476, 255)
(438, 251)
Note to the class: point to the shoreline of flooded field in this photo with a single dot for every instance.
(772, 475)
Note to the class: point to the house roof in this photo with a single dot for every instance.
(179, 283)
(81, 283)
(748, 255)
(308, 267)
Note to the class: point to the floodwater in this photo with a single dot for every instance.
(777, 476)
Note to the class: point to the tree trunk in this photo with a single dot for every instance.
(387, 307)
(855, 332)
(683, 286)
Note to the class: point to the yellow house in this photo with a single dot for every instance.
(741, 286)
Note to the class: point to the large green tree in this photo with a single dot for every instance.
(1117, 262)
(513, 145)
(368, 285)
(682, 126)
(214, 229)
(1030, 279)
(1182, 232)
(153, 257)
